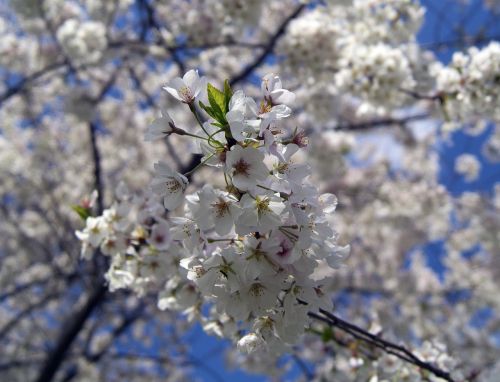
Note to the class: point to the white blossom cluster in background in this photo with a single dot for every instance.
(365, 48)
(83, 42)
(251, 250)
(206, 21)
(468, 166)
(471, 83)
(376, 73)
(386, 367)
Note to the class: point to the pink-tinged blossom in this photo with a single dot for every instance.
(246, 167)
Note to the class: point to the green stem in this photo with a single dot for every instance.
(195, 136)
(192, 107)
(225, 178)
(210, 139)
(199, 165)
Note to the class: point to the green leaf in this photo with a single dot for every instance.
(228, 93)
(83, 212)
(206, 108)
(215, 114)
(327, 334)
(216, 98)
(217, 101)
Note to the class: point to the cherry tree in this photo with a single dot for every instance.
(269, 171)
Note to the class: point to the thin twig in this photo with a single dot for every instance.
(391, 348)
(268, 49)
(12, 91)
(381, 122)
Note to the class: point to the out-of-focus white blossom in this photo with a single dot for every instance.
(470, 83)
(83, 41)
(468, 166)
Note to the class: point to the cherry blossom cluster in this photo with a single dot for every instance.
(206, 21)
(84, 41)
(470, 83)
(356, 366)
(251, 249)
(375, 73)
(363, 48)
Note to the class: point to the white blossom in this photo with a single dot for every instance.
(187, 88)
(468, 166)
(160, 128)
(169, 184)
(246, 167)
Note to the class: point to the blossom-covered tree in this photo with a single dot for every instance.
(311, 181)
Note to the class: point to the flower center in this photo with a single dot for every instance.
(282, 168)
(285, 249)
(257, 290)
(241, 168)
(262, 205)
(265, 107)
(173, 186)
(221, 208)
(186, 94)
(199, 271)
(159, 239)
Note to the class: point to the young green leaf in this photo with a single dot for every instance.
(83, 212)
(217, 104)
(327, 334)
(228, 93)
(216, 97)
(208, 109)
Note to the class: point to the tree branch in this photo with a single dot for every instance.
(391, 348)
(381, 122)
(96, 156)
(268, 48)
(28, 79)
(151, 20)
(69, 334)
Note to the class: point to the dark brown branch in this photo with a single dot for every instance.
(71, 331)
(96, 156)
(11, 364)
(12, 91)
(190, 361)
(128, 321)
(381, 122)
(151, 21)
(268, 49)
(460, 42)
(20, 288)
(391, 348)
(69, 334)
(152, 103)
(429, 97)
(140, 46)
(25, 312)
